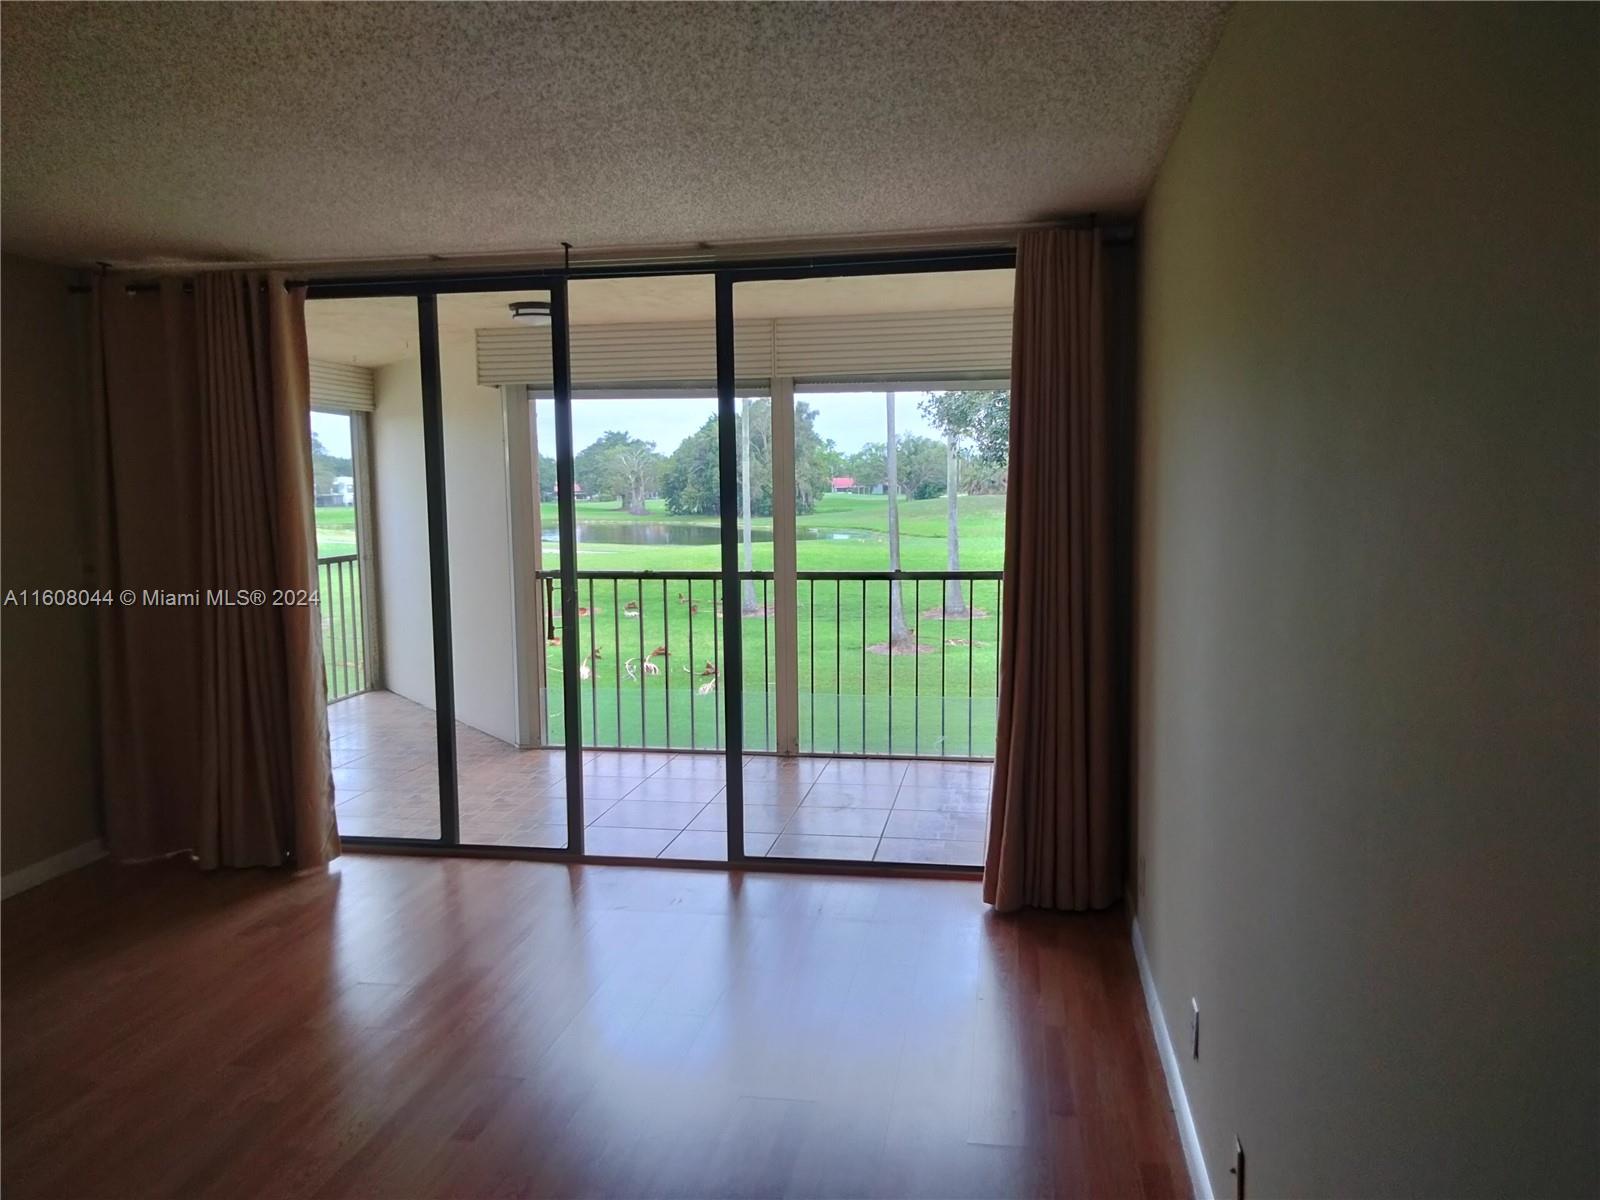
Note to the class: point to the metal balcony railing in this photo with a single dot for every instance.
(650, 672)
(345, 653)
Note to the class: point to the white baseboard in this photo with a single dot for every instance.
(34, 874)
(1199, 1180)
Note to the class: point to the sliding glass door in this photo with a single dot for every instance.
(508, 673)
(651, 611)
(373, 549)
(878, 475)
(701, 567)
(436, 567)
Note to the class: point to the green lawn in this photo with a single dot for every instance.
(923, 523)
(336, 531)
(854, 698)
(343, 646)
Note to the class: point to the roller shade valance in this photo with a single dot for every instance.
(341, 385)
(902, 347)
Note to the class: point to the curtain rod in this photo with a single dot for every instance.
(139, 289)
(618, 261)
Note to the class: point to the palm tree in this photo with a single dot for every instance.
(955, 604)
(748, 603)
(981, 420)
(899, 634)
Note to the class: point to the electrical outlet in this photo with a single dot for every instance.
(1237, 1170)
(1194, 1027)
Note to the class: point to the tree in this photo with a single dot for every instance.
(976, 417)
(921, 467)
(689, 479)
(955, 415)
(831, 461)
(984, 478)
(899, 634)
(326, 467)
(815, 459)
(632, 471)
(587, 467)
(619, 464)
(868, 465)
(811, 475)
(748, 602)
(992, 437)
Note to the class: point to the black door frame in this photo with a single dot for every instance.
(427, 288)
(427, 293)
(727, 277)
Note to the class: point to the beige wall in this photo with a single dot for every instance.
(481, 622)
(482, 632)
(401, 526)
(47, 750)
(1368, 721)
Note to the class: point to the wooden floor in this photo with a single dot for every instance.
(408, 1027)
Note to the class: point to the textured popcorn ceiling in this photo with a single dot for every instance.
(142, 132)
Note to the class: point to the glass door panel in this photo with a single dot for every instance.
(889, 417)
(650, 606)
(373, 565)
(494, 354)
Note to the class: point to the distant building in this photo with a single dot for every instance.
(341, 493)
(846, 483)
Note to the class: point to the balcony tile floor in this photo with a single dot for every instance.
(650, 804)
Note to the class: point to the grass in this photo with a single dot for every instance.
(339, 585)
(981, 527)
(853, 699)
(336, 531)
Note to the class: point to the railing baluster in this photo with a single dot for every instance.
(972, 599)
(716, 662)
(348, 603)
(838, 669)
(944, 657)
(348, 584)
(344, 651)
(666, 658)
(690, 668)
(330, 649)
(644, 720)
(999, 600)
(359, 633)
(766, 679)
(916, 669)
(864, 666)
(594, 675)
(616, 642)
(544, 650)
(889, 658)
(811, 617)
(352, 646)
(322, 620)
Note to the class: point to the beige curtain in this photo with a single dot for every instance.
(214, 722)
(1057, 820)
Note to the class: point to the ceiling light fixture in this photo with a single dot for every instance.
(530, 312)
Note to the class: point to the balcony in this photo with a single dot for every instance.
(894, 738)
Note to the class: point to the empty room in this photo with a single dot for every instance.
(799, 600)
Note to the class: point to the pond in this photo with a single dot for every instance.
(669, 533)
